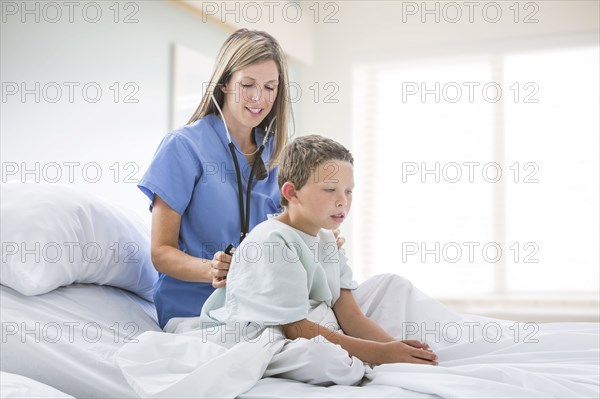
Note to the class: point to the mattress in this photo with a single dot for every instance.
(17, 386)
(66, 338)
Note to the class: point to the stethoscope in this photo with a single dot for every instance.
(244, 215)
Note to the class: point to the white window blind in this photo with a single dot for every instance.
(560, 135)
(430, 137)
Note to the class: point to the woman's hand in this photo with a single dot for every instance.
(339, 240)
(408, 351)
(219, 269)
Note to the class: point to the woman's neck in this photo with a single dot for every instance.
(245, 141)
(241, 134)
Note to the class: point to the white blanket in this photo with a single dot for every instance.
(18, 386)
(479, 357)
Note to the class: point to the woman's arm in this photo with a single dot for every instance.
(166, 256)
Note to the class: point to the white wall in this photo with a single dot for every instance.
(286, 20)
(61, 136)
(370, 31)
(101, 53)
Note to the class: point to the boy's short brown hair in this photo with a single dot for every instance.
(304, 155)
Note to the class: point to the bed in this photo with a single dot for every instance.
(66, 338)
(17, 386)
(65, 320)
(80, 364)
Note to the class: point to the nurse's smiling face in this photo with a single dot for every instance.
(249, 96)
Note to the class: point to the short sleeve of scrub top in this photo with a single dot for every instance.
(173, 173)
(194, 173)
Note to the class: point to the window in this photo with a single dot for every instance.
(448, 152)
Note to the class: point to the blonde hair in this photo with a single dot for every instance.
(304, 155)
(244, 48)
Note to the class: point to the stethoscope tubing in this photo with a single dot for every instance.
(244, 216)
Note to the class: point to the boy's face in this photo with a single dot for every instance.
(325, 200)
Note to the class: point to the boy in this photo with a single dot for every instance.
(289, 272)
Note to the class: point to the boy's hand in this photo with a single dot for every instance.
(219, 269)
(408, 351)
(339, 240)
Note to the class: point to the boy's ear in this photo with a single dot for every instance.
(288, 190)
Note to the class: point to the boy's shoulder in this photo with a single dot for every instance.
(276, 228)
(272, 230)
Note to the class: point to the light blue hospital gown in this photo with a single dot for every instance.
(280, 275)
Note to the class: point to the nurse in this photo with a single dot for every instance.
(192, 181)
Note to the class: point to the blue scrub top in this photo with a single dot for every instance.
(194, 173)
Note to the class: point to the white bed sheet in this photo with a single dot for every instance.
(85, 369)
(479, 357)
(17, 386)
(83, 365)
(66, 338)
(281, 388)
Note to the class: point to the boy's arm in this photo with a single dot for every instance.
(368, 351)
(354, 322)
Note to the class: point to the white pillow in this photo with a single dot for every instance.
(55, 235)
